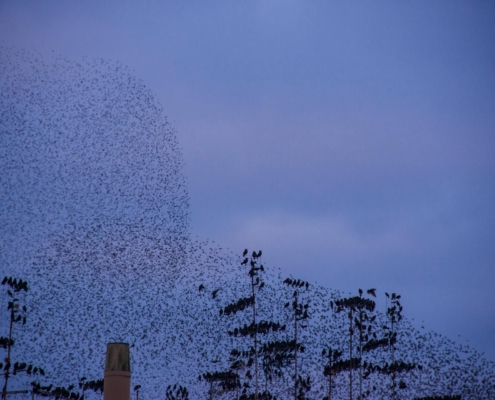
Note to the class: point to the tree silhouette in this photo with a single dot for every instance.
(299, 314)
(364, 323)
(394, 314)
(329, 370)
(17, 315)
(273, 354)
(389, 340)
(353, 305)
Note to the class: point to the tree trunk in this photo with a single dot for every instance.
(330, 376)
(361, 355)
(350, 354)
(4, 393)
(295, 351)
(255, 342)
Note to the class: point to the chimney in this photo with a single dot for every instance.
(117, 377)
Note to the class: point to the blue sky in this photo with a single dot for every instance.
(353, 142)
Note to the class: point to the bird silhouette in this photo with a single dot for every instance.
(93, 178)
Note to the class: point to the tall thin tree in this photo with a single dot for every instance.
(300, 313)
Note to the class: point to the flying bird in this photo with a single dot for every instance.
(100, 180)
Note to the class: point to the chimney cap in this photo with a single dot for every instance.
(118, 357)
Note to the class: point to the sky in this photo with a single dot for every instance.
(352, 142)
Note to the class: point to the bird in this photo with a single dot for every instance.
(100, 192)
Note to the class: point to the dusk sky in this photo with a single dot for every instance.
(354, 143)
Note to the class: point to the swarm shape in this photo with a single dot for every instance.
(94, 216)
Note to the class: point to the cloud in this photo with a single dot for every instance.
(327, 233)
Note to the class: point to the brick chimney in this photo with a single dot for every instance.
(117, 377)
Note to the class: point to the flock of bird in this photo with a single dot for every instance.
(95, 217)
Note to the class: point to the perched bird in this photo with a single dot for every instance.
(98, 213)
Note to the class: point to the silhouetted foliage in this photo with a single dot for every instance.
(98, 174)
(453, 397)
(17, 315)
(60, 392)
(273, 355)
(330, 369)
(300, 314)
